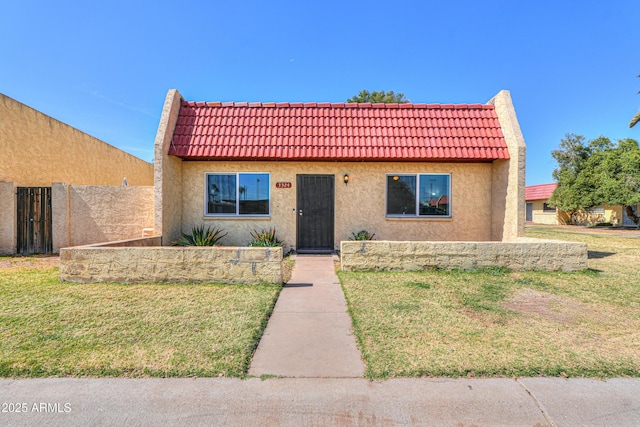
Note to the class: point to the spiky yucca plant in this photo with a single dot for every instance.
(201, 237)
(265, 238)
(362, 235)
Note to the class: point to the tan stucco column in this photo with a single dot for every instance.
(508, 181)
(61, 220)
(167, 174)
(8, 218)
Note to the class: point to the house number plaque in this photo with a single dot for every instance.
(283, 185)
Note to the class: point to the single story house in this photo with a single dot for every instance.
(318, 172)
(440, 185)
(539, 212)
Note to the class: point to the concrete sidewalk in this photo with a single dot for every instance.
(319, 401)
(309, 334)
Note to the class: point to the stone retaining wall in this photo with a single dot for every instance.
(522, 254)
(166, 264)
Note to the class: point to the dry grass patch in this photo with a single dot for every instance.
(555, 308)
(48, 328)
(500, 323)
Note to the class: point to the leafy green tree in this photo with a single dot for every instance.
(379, 97)
(616, 175)
(571, 155)
(596, 172)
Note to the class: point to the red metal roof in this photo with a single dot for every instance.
(539, 192)
(337, 131)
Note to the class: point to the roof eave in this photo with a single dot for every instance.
(339, 159)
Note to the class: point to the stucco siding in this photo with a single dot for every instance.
(612, 213)
(38, 150)
(540, 216)
(95, 214)
(359, 205)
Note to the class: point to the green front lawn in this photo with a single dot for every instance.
(499, 323)
(48, 328)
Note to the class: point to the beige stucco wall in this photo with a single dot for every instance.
(508, 202)
(358, 205)
(171, 265)
(539, 216)
(613, 214)
(93, 214)
(517, 255)
(167, 174)
(8, 219)
(38, 150)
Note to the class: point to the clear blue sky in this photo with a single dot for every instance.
(105, 67)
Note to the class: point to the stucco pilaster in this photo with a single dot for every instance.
(167, 174)
(61, 226)
(8, 219)
(508, 204)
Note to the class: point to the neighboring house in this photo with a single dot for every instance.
(39, 154)
(539, 212)
(317, 172)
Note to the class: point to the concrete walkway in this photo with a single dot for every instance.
(309, 333)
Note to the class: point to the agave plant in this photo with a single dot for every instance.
(362, 235)
(201, 237)
(265, 238)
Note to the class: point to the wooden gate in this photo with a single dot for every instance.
(34, 220)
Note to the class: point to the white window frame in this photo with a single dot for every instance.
(237, 214)
(595, 210)
(417, 215)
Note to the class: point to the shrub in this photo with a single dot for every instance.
(201, 237)
(362, 235)
(265, 238)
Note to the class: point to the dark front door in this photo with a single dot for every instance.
(529, 212)
(34, 220)
(315, 213)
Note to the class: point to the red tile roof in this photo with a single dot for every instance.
(442, 200)
(539, 192)
(337, 131)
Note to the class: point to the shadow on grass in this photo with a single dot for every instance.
(599, 254)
